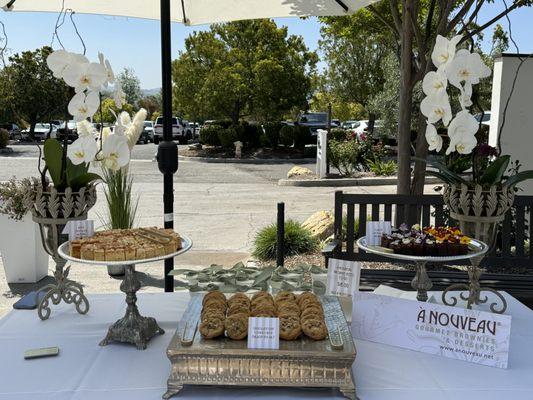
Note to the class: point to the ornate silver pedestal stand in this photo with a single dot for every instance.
(52, 210)
(133, 327)
(64, 289)
(421, 282)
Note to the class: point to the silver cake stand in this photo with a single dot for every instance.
(133, 327)
(421, 282)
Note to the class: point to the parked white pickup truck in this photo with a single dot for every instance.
(178, 130)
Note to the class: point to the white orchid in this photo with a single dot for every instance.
(60, 60)
(463, 144)
(83, 76)
(118, 95)
(436, 108)
(115, 152)
(435, 83)
(466, 67)
(465, 98)
(444, 51)
(109, 70)
(85, 128)
(82, 150)
(83, 106)
(464, 124)
(433, 138)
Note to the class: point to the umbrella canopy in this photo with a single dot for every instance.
(196, 12)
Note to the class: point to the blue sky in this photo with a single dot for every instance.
(135, 42)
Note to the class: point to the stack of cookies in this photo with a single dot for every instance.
(297, 314)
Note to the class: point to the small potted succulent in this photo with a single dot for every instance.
(480, 201)
(18, 230)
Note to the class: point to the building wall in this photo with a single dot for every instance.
(517, 134)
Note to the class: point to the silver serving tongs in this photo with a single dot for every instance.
(335, 339)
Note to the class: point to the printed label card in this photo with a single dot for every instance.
(374, 231)
(343, 277)
(263, 333)
(79, 229)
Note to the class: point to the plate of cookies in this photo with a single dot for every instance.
(299, 315)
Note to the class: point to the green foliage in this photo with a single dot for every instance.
(227, 137)
(152, 105)
(297, 240)
(209, 135)
(29, 91)
(287, 135)
(66, 174)
(250, 68)
(354, 155)
(340, 109)
(131, 86)
(249, 134)
(104, 113)
(382, 168)
(4, 138)
(12, 195)
(344, 229)
(338, 134)
(272, 131)
(121, 207)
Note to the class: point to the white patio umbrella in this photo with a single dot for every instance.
(190, 12)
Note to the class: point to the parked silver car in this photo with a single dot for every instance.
(40, 132)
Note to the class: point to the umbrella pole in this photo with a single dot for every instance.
(167, 152)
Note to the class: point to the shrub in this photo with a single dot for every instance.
(302, 136)
(12, 194)
(250, 134)
(287, 135)
(297, 240)
(4, 138)
(224, 123)
(382, 168)
(338, 134)
(209, 135)
(272, 130)
(345, 156)
(227, 138)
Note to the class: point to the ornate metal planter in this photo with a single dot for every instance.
(52, 210)
(478, 213)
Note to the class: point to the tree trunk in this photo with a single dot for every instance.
(406, 101)
(419, 173)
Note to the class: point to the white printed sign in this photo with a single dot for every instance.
(263, 333)
(79, 229)
(321, 152)
(468, 335)
(343, 277)
(374, 231)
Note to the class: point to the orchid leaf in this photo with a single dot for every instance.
(83, 180)
(519, 177)
(53, 156)
(494, 172)
(446, 174)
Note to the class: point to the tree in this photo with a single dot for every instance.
(105, 114)
(151, 104)
(131, 86)
(340, 109)
(244, 68)
(30, 90)
(413, 27)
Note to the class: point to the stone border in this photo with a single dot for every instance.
(374, 181)
(249, 160)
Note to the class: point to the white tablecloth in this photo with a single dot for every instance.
(84, 370)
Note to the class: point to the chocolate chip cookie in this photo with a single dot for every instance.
(237, 326)
(289, 327)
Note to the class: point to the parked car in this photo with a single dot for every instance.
(192, 129)
(147, 133)
(72, 131)
(13, 130)
(352, 124)
(486, 118)
(313, 120)
(40, 132)
(178, 131)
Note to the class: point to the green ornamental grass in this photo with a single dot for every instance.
(298, 240)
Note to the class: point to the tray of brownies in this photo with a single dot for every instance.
(429, 243)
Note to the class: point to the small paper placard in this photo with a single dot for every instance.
(374, 231)
(263, 333)
(343, 277)
(79, 229)
(469, 335)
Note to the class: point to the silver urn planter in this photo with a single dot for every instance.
(478, 212)
(52, 210)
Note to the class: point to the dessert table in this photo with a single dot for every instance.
(83, 370)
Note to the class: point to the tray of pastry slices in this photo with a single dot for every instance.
(210, 346)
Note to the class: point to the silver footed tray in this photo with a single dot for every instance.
(299, 363)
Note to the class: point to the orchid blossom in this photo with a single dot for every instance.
(466, 67)
(83, 106)
(60, 60)
(436, 108)
(82, 150)
(444, 51)
(115, 152)
(435, 83)
(433, 138)
(83, 76)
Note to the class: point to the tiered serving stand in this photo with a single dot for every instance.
(421, 282)
(133, 327)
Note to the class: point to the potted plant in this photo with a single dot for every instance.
(66, 189)
(480, 201)
(17, 230)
